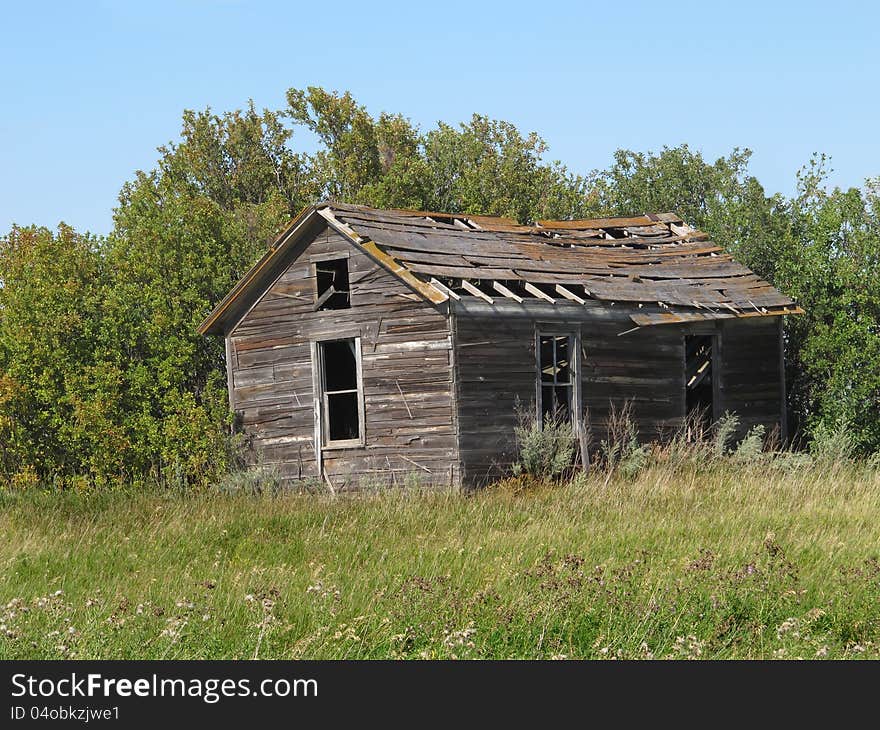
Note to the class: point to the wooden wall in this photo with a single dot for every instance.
(644, 369)
(496, 373)
(751, 382)
(407, 377)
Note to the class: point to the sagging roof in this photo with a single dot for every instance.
(654, 259)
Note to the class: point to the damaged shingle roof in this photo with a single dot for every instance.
(652, 259)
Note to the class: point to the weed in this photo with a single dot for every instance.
(545, 451)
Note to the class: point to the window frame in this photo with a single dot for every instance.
(714, 332)
(574, 344)
(321, 400)
(315, 260)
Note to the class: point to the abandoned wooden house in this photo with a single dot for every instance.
(372, 345)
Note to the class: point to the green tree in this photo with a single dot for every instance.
(720, 198)
(482, 167)
(184, 234)
(60, 393)
(834, 272)
(488, 167)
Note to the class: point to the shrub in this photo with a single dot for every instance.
(790, 461)
(546, 451)
(254, 481)
(751, 448)
(725, 431)
(832, 445)
(621, 450)
(633, 460)
(25, 478)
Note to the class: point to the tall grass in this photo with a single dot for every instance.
(694, 555)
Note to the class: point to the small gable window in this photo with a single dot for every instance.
(332, 280)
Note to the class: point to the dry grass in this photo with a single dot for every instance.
(684, 560)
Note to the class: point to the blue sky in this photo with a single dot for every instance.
(90, 89)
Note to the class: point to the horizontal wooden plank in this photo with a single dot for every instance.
(640, 220)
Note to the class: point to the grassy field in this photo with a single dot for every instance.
(723, 562)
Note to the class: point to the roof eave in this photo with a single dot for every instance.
(214, 323)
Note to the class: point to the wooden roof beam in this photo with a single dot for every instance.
(535, 292)
(471, 289)
(682, 229)
(322, 300)
(327, 215)
(445, 289)
(501, 289)
(593, 223)
(568, 294)
(432, 294)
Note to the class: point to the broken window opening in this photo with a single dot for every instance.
(333, 287)
(556, 381)
(341, 391)
(699, 381)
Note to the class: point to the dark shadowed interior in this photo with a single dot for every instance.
(333, 287)
(340, 389)
(698, 378)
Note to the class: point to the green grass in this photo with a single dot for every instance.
(721, 562)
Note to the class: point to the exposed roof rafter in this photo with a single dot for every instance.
(467, 286)
(501, 289)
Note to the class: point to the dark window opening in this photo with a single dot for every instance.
(699, 388)
(342, 416)
(332, 280)
(341, 392)
(556, 377)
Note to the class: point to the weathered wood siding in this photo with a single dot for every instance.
(496, 373)
(407, 377)
(751, 383)
(643, 370)
(495, 376)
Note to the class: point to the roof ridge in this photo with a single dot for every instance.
(619, 221)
